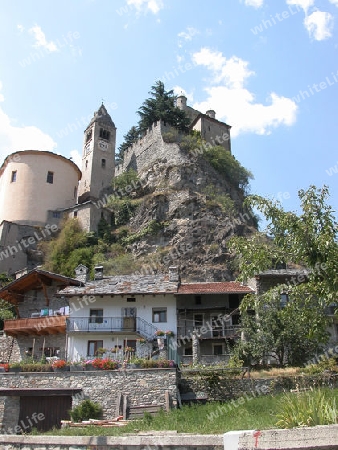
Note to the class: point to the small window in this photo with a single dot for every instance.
(284, 298)
(131, 299)
(13, 177)
(198, 320)
(96, 316)
(159, 315)
(50, 177)
(103, 163)
(75, 213)
(86, 163)
(56, 215)
(75, 192)
(217, 349)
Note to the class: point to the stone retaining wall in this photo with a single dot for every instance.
(141, 386)
(217, 385)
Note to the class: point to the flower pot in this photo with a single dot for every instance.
(90, 367)
(14, 369)
(76, 368)
(61, 369)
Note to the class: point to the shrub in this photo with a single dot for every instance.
(86, 410)
(312, 408)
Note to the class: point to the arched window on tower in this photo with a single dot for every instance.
(104, 134)
(89, 135)
(103, 163)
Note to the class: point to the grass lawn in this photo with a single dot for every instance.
(212, 418)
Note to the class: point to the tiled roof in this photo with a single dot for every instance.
(125, 284)
(226, 287)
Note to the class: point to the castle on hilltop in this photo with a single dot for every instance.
(38, 189)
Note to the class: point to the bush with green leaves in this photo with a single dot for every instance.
(228, 166)
(316, 407)
(127, 181)
(86, 410)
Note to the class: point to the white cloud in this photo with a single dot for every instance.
(334, 2)
(14, 138)
(254, 3)
(234, 103)
(188, 34)
(319, 24)
(233, 71)
(41, 41)
(142, 5)
(75, 155)
(304, 4)
(20, 27)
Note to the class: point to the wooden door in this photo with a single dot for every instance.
(43, 412)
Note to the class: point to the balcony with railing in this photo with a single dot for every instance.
(208, 331)
(128, 325)
(35, 326)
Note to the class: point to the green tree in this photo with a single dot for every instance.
(161, 106)
(308, 240)
(69, 249)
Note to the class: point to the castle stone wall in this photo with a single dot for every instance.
(149, 149)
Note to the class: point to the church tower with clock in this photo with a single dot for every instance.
(98, 159)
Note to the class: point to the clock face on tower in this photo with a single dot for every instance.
(103, 145)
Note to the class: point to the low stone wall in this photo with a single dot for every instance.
(217, 385)
(141, 386)
(166, 441)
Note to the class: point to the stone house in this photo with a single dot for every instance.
(211, 312)
(40, 324)
(115, 312)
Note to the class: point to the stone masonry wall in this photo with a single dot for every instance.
(141, 386)
(149, 149)
(9, 349)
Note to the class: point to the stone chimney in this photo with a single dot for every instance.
(211, 113)
(98, 272)
(82, 273)
(174, 274)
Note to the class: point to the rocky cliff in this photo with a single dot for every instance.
(185, 213)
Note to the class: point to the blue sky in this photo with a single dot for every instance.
(269, 68)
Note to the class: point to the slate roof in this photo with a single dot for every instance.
(124, 284)
(102, 116)
(226, 287)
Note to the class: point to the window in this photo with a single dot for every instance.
(13, 177)
(284, 298)
(93, 346)
(103, 163)
(75, 213)
(96, 316)
(198, 320)
(159, 315)
(86, 163)
(50, 177)
(198, 300)
(89, 135)
(188, 351)
(104, 134)
(56, 215)
(233, 301)
(131, 299)
(217, 349)
(75, 192)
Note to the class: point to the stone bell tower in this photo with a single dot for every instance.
(98, 158)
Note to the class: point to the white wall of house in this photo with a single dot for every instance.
(147, 307)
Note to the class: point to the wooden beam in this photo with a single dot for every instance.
(45, 293)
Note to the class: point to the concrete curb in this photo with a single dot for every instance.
(323, 437)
